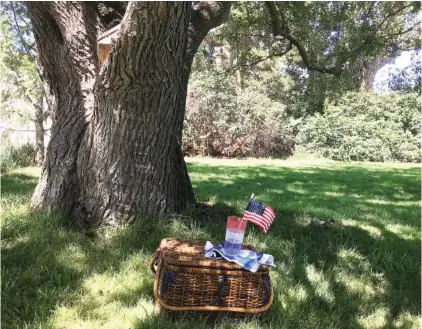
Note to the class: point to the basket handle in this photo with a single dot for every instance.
(152, 264)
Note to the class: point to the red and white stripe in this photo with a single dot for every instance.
(264, 221)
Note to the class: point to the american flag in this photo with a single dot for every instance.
(259, 214)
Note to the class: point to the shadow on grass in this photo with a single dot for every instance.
(348, 275)
(343, 277)
(17, 184)
(47, 263)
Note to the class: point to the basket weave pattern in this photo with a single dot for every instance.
(186, 280)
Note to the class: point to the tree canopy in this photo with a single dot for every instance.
(20, 78)
(323, 36)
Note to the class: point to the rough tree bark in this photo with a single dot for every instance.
(115, 141)
(65, 35)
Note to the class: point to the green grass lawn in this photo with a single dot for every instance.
(362, 273)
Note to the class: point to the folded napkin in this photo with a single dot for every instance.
(247, 259)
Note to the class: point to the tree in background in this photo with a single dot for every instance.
(115, 148)
(242, 60)
(20, 78)
(348, 40)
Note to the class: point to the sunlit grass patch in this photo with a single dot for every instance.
(320, 284)
(408, 321)
(404, 231)
(375, 320)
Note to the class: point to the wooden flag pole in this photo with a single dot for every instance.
(241, 221)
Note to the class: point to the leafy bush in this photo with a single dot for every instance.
(12, 157)
(222, 120)
(366, 127)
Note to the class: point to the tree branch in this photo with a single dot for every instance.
(387, 36)
(367, 40)
(110, 13)
(205, 15)
(30, 100)
(290, 46)
(392, 14)
(369, 11)
(279, 30)
(23, 42)
(211, 13)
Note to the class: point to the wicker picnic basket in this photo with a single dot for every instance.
(185, 280)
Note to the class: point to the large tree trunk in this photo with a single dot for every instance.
(115, 148)
(130, 161)
(67, 60)
(369, 70)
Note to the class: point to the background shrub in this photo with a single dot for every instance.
(12, 157)
(224, 120)
(366, 127)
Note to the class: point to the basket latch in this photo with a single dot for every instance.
(221, 291)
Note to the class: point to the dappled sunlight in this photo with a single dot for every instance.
(397, 203)
(19, 209)
(30, 172)
(375, 320)
(127, 292)
(408, 321)
(344, 187)
(105, 288)
(404, 231)
(363, 271)
(73, 256)
(351, 256)
(334, 194)
(293, 297)
(180, 228)
(320, 284)
(285, 249)
(366, 285)
(403, 196)
(255, 240)
(10, 243)
(304, 219)
(111, 315)
(354, 262)
(297, 190)
(372, 230)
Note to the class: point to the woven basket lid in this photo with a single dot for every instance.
(191, 254)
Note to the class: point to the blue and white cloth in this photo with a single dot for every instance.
(247, 259)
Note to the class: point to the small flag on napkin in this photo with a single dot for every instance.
(260, 214)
